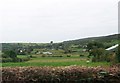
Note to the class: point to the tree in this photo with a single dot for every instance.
(51, 44)
(118, 54)
(10, 54)
(98, 54)
(67, 48)
(94, 45)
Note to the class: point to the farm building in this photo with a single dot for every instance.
(47, 53)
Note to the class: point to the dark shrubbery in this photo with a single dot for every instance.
(69, 74)
(98, 54)
(118, 53)
(81, 55)
(11, 56)
(4, 60)
(68, 55)
(94, 45)
(57, 56)
(25, 59)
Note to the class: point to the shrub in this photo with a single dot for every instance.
(118, 54)
(43, 55)
(30, 56)
(68, 55)
(25, 59)
(10, 54)
(94, 45)
(69, 74)
(4, 56)
(57, 56)
(81, 55)
(4, 60)
(98, 54)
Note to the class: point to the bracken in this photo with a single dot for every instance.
(68, 74)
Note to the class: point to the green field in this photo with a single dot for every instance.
(55, 61)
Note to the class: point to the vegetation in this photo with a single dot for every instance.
(106, 40)
(83, 60)
(56, 61)
(74, 74)
(91, 47)
(11, 56)
(118, 54)
(94, 45)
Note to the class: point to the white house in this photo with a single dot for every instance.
(49, 53)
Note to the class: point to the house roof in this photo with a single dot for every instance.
(112, 47)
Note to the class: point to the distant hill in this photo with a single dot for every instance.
(111, 39)
(106, 40)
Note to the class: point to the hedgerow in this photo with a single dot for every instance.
(69, 74)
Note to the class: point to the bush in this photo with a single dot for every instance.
(94, 45)
(15, 60)
(69, 74)
(4, 56)
(118, 54)
(25, 59)
(10, 54)
(98, 54)
(4, 60)
(30, 56)
(57, 56)
(81, 55)
(43, 55)
(68, 55)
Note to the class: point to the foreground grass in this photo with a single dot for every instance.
(55, 61)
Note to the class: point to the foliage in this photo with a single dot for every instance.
(111, 39)
(56, 61)
(69, 74)
(4, 60)
(10, 54)
(118, 54)
(94, 45)
(99, 54)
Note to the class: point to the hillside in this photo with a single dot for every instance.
(106, 40)
(110, 39)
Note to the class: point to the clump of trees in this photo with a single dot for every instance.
(94, 45)
(11, 56)
(98, 53)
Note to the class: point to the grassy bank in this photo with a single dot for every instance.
(56, 61)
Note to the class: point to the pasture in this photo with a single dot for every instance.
(55, 61)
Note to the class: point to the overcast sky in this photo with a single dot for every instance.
(57, 20)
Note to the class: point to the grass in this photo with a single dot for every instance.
(55, 61)
(22, 56)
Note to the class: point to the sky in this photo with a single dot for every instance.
(56, 20)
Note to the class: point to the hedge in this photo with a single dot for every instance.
(5, 60)
(69, 74)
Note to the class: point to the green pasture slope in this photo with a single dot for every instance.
(55, 61)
